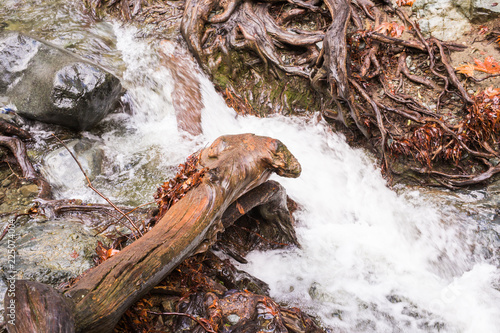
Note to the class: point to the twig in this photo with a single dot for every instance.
(13, 172)
(89, 184)
(205, 325)
(127, 213)
(489, 76)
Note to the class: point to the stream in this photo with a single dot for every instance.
(373, 259)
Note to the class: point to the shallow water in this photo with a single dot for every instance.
(372, 259)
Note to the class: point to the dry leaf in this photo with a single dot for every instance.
(490, 92)
(405, 2)
(467, 69)
(392, 28)
(489, 65)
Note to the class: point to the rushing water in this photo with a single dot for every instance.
(372, 259)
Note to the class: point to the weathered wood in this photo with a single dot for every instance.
(38, 307)
(236, 164)
(7, 128)
(271, 202)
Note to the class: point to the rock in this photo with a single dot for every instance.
(51, 252)
(441, 18)
(479, 10)
(49, 84)
(29, 190)
(56, 164)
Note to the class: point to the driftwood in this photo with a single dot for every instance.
(236, 164)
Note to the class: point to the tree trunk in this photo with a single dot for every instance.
(236, 164)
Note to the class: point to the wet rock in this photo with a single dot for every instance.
(6, 182)
(57, 163)
(49, 84)
(442, 19)
(51, 252)
(29, 190)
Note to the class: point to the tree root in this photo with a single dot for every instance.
(17, 147)
(344, 51)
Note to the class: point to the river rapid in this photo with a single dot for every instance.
(373, 259)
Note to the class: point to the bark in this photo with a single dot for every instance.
(38, 308)
(236, 164)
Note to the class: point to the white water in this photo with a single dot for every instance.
(371, 260)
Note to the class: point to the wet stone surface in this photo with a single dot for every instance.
(51, 85)
(50, 251)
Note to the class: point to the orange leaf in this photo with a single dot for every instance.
(467, 69)
(240, 208)
(392, 28)
(405, 2)
(490, 92)
(489, 65)
(111, 252)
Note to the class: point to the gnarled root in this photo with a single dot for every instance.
(17, 147)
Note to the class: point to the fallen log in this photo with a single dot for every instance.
(235, 165)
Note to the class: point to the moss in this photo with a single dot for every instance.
(267, 92)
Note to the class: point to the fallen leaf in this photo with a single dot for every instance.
(467, 69)
(112, 252)
(405, 2)
(489, 65)
(490, 92)
(240, 208)
(483, 29)
(390, 28)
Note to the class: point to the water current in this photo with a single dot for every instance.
(373, 259)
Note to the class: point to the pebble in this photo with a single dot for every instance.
(470, 92)
(233, 319)
(6, 182)
(28, 190)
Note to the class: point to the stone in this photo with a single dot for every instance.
(6, 182)
(479, 10)
(441, 19)
(29, 190)
(52, 85)
(51, 252)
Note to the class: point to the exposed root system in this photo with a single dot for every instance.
(10, 138)
(369, 63)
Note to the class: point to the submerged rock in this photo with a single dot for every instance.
(57, 163)
(51, 252)
(52, 85)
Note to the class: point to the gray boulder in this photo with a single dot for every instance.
(49, 84)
